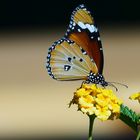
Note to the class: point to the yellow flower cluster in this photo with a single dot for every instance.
(98, 101)
(135, 96)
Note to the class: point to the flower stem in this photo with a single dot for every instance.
(91, 121)
(138, 136)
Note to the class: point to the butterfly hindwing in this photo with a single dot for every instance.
(83, 30)
(68, 61)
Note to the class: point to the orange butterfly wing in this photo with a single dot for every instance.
(67, 62)
(83, 31)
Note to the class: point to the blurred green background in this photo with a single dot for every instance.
(32, 105)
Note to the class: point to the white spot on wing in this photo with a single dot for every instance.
(89, 27)
(70, 25)
(74, 23)
(79, 30)
(84, 53)
(99, 39)
(94, 29)
(82, 25)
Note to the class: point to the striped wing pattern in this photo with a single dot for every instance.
(69, 61)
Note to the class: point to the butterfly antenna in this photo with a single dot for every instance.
(110, 84)
(119, 84)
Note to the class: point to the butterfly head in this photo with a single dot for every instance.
(97, 79)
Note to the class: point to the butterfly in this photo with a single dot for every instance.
(79, 54)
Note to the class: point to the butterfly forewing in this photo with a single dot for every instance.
(84, 32)
(67, 61)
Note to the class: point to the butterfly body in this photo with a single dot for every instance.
(79, 54)
(97, 79)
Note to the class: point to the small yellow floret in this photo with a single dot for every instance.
(135, 96)
(102, 113)
(98, 101)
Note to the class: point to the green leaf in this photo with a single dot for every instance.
(139, 118)
(129, 117)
